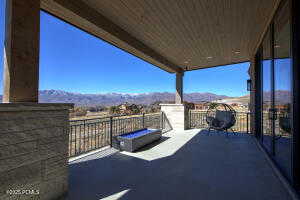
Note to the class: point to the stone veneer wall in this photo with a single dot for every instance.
(177, 115)
(34, 150)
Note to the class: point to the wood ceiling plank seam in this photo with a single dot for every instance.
(249, 30)
(218, 30)
(156, 31)
(213, 27)
(234, 33)
(146, 34)
(266, 25)
(225, 48)
(172, 36)
(187, 35)
(219, 18)
(253, 30)
(194, 25)
(149, 28)
(176, 38)
(262, 13)
(204, 51)
(221, 29)
(211, 45)
(230, 30)
(181, 38)
(152, 34)
(244, 24)
(156, 22)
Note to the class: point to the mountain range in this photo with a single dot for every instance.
(108, 99)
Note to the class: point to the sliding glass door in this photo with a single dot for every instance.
(266, 71)
(276, 90)
(282, 90)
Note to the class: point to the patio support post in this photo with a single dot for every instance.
(21, 51)
(179, 88)
(177, 114)
(34, 149)
(255, 96)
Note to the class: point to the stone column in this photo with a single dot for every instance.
(177, 116)
(21, 51)
(34, 143)
(179, 88)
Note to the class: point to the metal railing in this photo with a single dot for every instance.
(197, 119)
(91, 134)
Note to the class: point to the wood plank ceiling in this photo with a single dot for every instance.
(175, 35)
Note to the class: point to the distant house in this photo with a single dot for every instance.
(189, 105)
(128, 108)
(201, 106)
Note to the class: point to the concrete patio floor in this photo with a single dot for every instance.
(183, 165)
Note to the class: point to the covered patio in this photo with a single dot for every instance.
(183, 165)
(178, 37)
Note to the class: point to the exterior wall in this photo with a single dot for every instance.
(177, 115)
(34, 149)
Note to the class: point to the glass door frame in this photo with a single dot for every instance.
(295, 51)
(295, 88)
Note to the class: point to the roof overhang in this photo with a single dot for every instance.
(173, 35)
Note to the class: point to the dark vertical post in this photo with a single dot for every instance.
(84, 149)
(190, 118)
(110, 130)
(257, 94)
(179, 88)
(143, 120)
(162, 120)
(247, 123)
(295, 93)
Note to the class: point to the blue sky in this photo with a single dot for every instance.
(75, 61)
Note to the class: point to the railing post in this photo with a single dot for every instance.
(110, 130)
(143, 120)
(247, 122)
(161, 120)
(84, 135)
(190, 118)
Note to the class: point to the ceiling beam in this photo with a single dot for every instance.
(82, 10)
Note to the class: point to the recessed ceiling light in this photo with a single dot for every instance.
(237, 52)
(209, 57)
(277, 46)
(186, 62)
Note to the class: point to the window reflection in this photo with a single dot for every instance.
(266, 92)
(282, 90)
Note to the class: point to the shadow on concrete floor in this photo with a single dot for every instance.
(200, 167)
